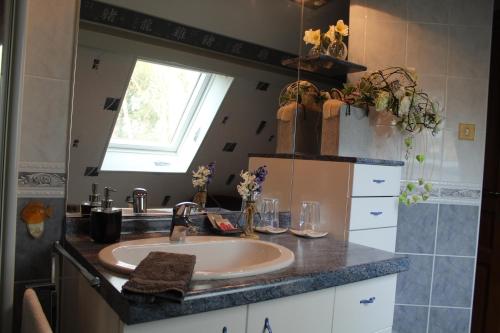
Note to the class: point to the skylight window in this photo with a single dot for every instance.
(164, 117)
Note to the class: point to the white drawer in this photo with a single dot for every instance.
(377, 212)
(383, 239)
(366, 306)
(375, 180)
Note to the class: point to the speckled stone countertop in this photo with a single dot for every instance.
(347, 159)
(319, 263)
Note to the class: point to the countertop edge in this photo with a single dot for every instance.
(332, 158)
(136, 313)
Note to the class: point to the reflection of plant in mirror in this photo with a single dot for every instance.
(330, 42)
(395, 90)
(201, 178)
(203, 175)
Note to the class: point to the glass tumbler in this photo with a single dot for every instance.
(309, 216)
(269, 213)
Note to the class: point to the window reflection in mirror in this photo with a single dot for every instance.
(189, 108)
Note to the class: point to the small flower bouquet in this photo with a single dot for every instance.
(249, 189)
(329, 43)
(201, 178)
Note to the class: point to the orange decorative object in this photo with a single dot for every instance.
(34, 215)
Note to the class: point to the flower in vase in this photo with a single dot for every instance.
(203, 175)
(330, 34)
(341, 28)
(252, 182)
(312, 37)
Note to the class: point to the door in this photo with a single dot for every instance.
(485, 315)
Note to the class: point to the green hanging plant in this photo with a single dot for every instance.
(395, 90)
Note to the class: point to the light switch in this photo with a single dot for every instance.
(466, 131)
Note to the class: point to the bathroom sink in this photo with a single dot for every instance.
(216, 257)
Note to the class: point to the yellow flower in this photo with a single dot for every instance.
(341, 28)
(331, 33)
(312, 37)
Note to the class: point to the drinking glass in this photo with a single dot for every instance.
(309, 216)
(269, 213)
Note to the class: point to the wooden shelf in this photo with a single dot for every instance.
(323, 65)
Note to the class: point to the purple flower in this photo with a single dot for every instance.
(211, 167)
(260, 176)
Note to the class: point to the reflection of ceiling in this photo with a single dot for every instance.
(313, 4)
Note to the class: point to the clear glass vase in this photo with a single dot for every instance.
(200, 197)
(249, 211)
(337, 49)
(314, 51)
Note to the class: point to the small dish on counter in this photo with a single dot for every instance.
(270, 230)
(308, 233)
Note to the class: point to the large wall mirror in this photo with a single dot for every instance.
(151, 105)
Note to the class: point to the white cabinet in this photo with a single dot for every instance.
(231, 320)
(374, 212)
(83, 310)
(310, 312)
(364, 307)
(375, 180)
(383, 239)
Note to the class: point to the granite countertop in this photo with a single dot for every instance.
(319, 263)
(347, 159)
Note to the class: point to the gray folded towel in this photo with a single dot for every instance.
(162, 274)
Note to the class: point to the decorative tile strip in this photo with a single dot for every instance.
(41, 179)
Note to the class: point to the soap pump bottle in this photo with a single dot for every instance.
(94, 201)
(106, 221)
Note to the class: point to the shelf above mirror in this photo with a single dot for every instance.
(323, 65)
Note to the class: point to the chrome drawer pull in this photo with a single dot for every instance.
(224, 329)
(376, 213)
(367, 301)
(378, 181)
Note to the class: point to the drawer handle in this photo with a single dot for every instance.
(378, 181)
(376, 213)
(224, 329)
(367, 301)
(267, 327)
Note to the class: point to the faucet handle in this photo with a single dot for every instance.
(184, 208)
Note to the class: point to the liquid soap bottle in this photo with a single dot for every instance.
(106, 221)
(94, 202)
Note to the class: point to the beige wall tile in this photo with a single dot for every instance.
(435, 86)
(386, 10)
(357, 40)
(44, 120)
(469, 51)
(427, 48)
(467, 12)
(428, 11)
(467, 102)
(50, 38)
(462, 160)
(431, 146)
(385, 44)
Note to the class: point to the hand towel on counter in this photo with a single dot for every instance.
(330, 130)
(162, 274)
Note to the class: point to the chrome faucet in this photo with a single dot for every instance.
(180, 221)
(140, 200)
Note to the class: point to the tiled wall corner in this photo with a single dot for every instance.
(440, 237)
(46, 108)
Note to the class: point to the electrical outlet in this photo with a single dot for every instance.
(466, 131)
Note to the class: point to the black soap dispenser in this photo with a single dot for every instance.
(106, 221)
(94, 202)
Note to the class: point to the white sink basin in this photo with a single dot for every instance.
(216, 257)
